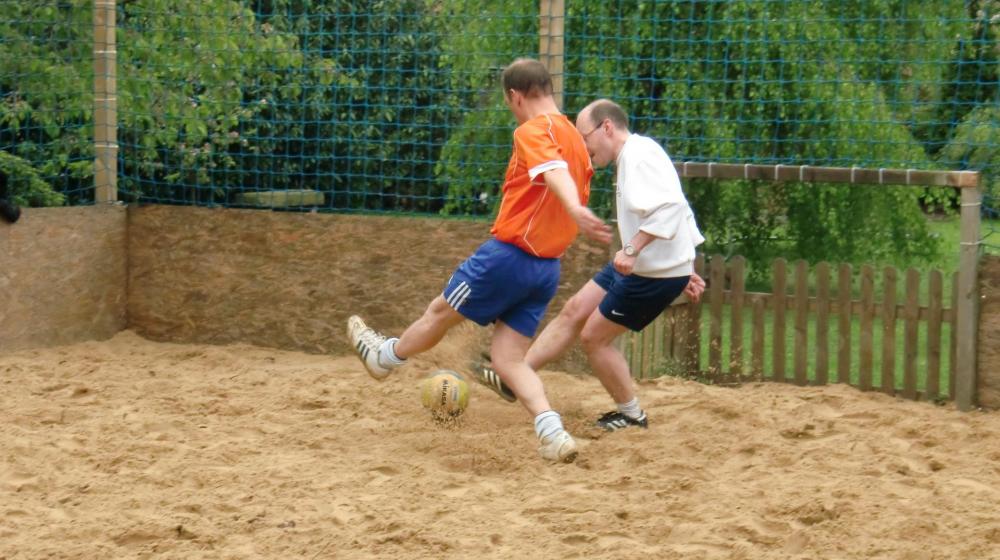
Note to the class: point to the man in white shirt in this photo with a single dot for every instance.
(654, 266)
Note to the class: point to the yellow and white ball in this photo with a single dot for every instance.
(445, 394)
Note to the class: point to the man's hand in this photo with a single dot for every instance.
(624, 263)
(695, 287)
(591, 226)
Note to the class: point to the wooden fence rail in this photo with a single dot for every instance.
(819, 325)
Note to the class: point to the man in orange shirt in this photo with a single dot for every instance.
(513, 276)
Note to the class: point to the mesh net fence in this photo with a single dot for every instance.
(394, 106)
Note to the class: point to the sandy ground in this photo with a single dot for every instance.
(133, 449)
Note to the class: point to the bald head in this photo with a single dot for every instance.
(595, 113)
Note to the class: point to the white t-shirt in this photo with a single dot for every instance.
(649, 198)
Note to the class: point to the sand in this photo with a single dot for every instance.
(129, 448)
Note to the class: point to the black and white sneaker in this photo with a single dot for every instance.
(484, 373)
(366, 342)
(615, 420)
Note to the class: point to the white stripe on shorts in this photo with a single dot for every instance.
(462, 299)
(459, 293)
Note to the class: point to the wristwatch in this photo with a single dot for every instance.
(629, 250)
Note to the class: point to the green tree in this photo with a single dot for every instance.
(46, 100)
(193, 74)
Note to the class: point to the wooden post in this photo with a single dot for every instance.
(867, 317)
(105, 103)
(911, 318)
(822, 323)
(801, 336)
(967, 306)
(934, 304)
(551, 42)
(757, 340)
(844, 310)
(889, 330)
(778, 340)
(717, 289)
(737, 289)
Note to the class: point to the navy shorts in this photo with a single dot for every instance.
(634, 301)
(500, 281)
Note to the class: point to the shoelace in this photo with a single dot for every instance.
(371, 338)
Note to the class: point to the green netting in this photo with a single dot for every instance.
(46, 100)
(393, 106)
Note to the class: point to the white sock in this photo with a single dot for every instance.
(631, 408)
(387, 357)
(547, 424)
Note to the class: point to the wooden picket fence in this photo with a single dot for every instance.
(809, 330)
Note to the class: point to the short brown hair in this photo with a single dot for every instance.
(527, 76)
(607, 109)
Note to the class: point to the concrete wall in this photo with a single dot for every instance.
(62, 276)
(290, 280)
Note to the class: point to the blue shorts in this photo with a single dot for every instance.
(634, 301)
(500, 281)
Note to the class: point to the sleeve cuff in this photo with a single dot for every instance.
(547, 166)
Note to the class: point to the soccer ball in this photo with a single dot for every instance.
(445, 394)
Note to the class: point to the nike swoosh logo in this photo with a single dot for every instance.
(617, 314)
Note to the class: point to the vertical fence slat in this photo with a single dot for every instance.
(737, 290)
(844, 297)
(669, 337)
(717, 279)
(677, 340)
(953, 339)
(778, 330)
(757, 339)
(692, 332)
(822, 323)
(911, 314)
(933, 384)
(801, 336)
(867, 316)
(648, 349)
(889, 330)
(682, 339)
(635, 351)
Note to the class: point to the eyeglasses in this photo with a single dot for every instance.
(599, 125)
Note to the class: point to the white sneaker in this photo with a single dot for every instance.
(560, 448)
(366, 342)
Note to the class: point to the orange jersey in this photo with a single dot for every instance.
(532, 217)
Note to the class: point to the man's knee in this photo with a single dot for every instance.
(576, 310)
(592, 340)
